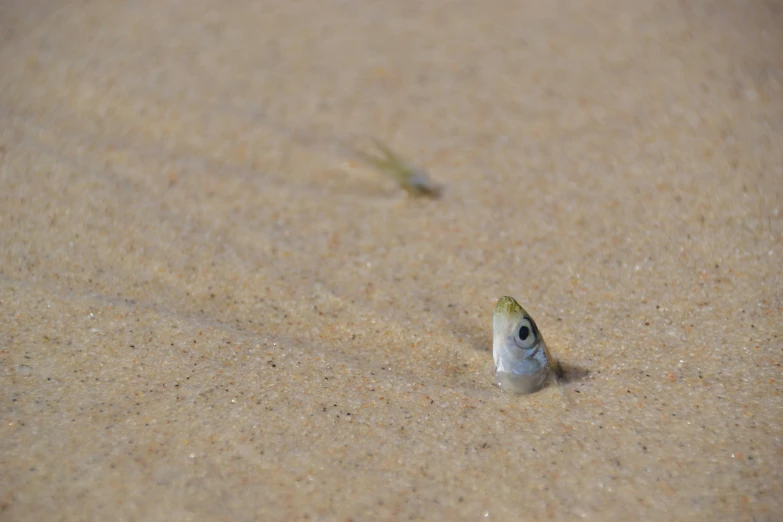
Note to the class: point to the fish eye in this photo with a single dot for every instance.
(524, 331)
(525, 337)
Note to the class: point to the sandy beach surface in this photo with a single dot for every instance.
(209, 310)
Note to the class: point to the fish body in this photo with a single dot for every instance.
(413, 180)
(523, 363)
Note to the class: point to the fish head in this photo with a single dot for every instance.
(522, 361)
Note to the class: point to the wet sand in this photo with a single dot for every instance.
(209, 312)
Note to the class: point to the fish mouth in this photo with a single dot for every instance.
(508, 306)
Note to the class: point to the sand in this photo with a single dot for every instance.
(209, 312)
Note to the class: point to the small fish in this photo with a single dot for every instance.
(523, 363)
(414, 181)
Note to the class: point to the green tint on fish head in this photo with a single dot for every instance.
(522, 361)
